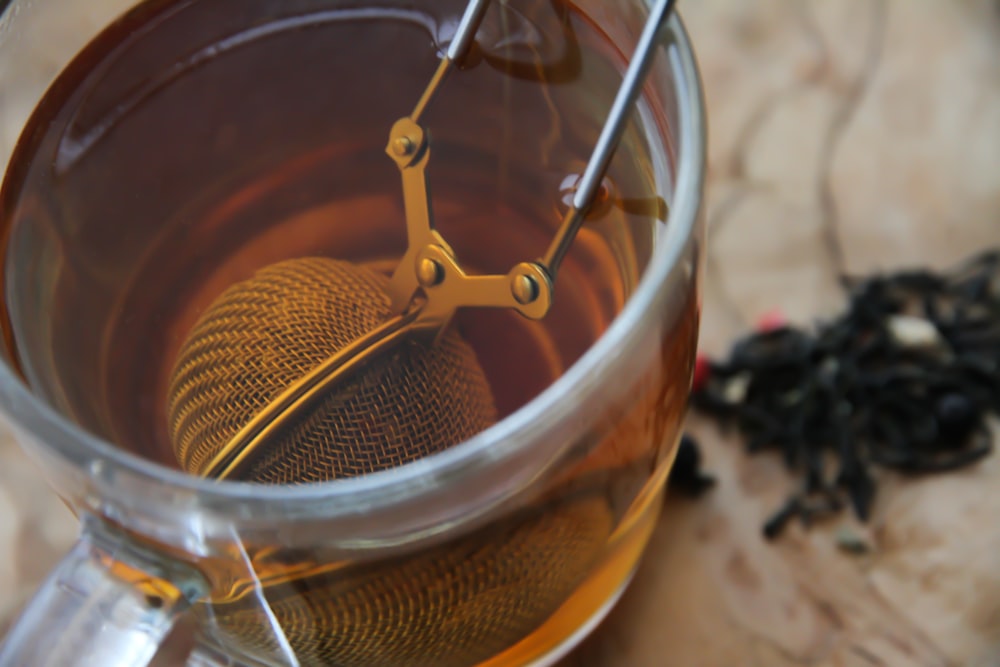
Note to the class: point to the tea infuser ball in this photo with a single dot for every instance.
(263, 334)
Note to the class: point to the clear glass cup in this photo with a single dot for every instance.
(504, 550)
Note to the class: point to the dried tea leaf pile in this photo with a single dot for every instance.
(906, 379)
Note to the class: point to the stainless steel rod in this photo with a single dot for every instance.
(627, 95)
(466, 33)
(467, 30)
(590, 183)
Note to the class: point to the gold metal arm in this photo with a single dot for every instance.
(409, 147)
(429, 265)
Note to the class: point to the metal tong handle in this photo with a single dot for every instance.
(429, 265)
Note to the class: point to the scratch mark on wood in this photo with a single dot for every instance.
(867, 655)
(841, 122)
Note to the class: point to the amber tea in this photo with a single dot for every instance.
(194, 142)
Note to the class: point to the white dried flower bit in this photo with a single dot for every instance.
(737, 387)
(912, 332)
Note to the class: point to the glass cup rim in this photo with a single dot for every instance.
(519, 432)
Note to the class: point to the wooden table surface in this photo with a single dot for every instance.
(879, 119)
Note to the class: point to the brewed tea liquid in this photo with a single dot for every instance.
(196, 141)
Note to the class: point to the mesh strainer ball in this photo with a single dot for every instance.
(451, 606)
(263, 334)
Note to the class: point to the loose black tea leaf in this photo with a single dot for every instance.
(905, 379)
(686, 477)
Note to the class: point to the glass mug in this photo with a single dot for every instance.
(178, 146)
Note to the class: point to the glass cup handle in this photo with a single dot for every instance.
(109, 602)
